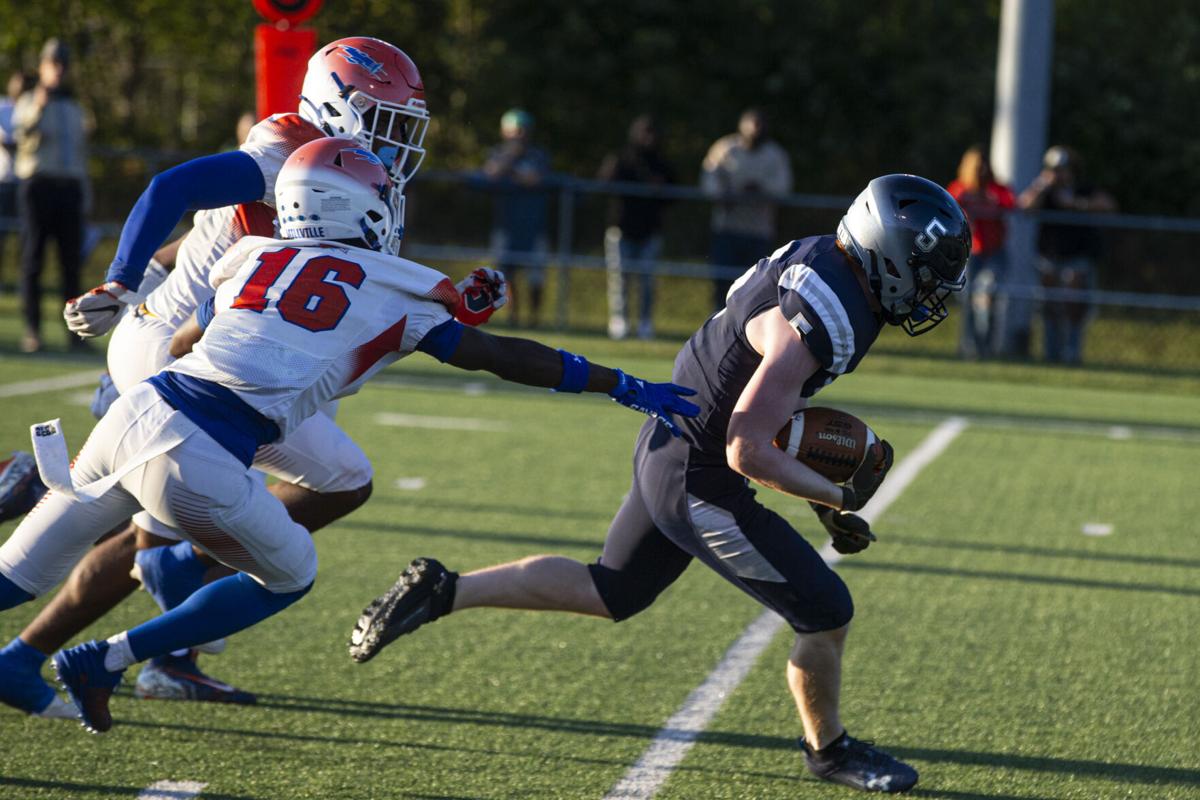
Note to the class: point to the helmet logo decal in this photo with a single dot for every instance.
(365, 155)
(360, 59)
(927, 239)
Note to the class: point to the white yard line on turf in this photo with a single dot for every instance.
(440, 423)
(71, 380)
(171, 790)
(671, 744)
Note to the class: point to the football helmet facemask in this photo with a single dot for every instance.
(913, 242)
(372, 91)
(334, 189)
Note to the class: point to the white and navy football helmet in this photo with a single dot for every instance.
(334, 189)
(913, 242)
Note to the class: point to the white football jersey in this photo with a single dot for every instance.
(214, 231)
(302, 322)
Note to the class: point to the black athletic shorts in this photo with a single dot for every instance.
(685, 504)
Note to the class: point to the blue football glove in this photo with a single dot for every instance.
(657, 400)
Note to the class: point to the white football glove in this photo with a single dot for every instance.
(480, 294)
(95, 313)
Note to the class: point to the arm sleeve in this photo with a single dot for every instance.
(442, 340)
(209, 182)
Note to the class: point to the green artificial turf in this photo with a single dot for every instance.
(1002, 651)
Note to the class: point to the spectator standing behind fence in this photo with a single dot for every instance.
(746, 174)
(984, 201)
(51, 165)
(633, 239)
(1067, 253)
(518, 171)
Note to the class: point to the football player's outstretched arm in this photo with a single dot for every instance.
(768, 401)
(534, 364)
(208, 182)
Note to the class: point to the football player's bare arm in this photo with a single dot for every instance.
(522, 361)
(767, 402)
(186, 336)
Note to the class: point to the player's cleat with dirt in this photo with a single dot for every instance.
(859, 764)
(423, 593)
(179, 678)
(89, 685)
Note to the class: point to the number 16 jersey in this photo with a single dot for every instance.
(298, 323)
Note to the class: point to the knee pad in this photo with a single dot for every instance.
(623, 594)
(822, 608)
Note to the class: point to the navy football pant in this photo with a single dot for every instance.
(684, 504)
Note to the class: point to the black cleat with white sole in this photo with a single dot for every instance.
(423, 593)
(860, 765)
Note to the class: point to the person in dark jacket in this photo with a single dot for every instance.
(633, 240)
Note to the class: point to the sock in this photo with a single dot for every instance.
(24, 654)
(11, 594)
(219, 609)
(119, 655)
(181, 652)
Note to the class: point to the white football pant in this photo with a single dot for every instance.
(196, 486)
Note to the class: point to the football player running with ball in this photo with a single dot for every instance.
(293, 325)
(791, 325)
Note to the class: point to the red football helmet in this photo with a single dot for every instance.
(334, 189)
(370, 90)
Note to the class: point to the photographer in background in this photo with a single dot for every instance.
(1068, 252)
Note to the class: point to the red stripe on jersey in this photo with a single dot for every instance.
(255, 219)
(291, 131)
(366, 356)
(445, 293)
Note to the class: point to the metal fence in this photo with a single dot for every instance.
(1142, 310)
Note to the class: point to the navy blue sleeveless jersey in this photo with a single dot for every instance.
(814, 284)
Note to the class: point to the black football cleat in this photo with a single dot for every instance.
(859, 765)
(423, 593)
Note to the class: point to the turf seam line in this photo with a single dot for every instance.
(673, 741)
(72, 380)
(171, 790)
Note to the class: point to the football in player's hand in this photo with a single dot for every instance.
(831, 442)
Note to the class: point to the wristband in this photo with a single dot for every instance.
(575, 373)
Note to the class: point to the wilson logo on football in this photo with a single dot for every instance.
(839, 439)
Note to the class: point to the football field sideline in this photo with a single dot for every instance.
(672, 743)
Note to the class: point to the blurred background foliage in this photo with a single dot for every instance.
(854, 89)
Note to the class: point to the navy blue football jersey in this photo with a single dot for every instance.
(815, 286)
